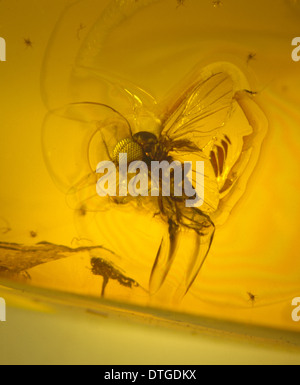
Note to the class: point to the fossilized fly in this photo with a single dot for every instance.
(197, 125)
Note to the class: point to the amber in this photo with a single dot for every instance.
(54, 232)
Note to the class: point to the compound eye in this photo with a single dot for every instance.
(127, 146)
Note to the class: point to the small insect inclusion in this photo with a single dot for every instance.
(211, 120)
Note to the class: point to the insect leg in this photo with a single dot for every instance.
(104, 284)
(165, 257)
(202, 242)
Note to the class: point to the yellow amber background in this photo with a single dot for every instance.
(256, 250)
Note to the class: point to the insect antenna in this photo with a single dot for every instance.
(109, 107)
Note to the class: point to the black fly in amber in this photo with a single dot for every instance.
(198, 126)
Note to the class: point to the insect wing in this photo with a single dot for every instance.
(227, 127)
(202, 112)
(76, 138)
(224, 128)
